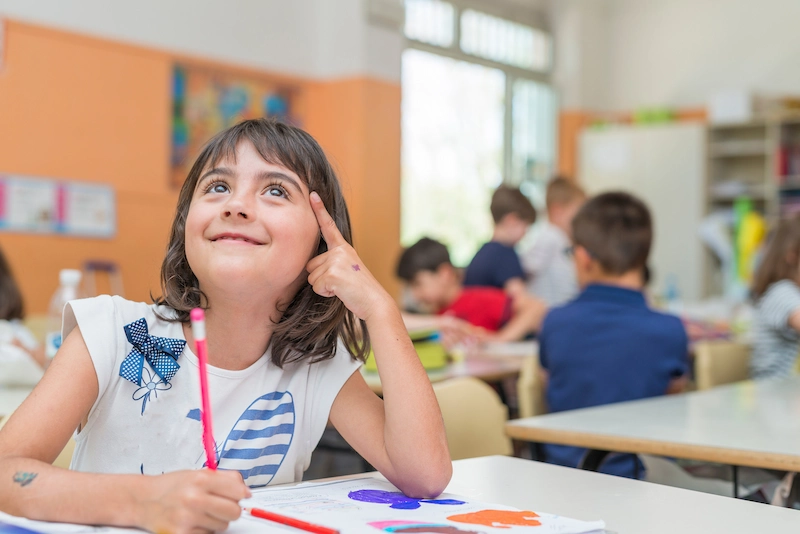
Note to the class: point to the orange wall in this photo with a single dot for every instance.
(358, 123)
(87, 109)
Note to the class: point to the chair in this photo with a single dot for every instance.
(720, 362)
(530, 390)
(474, 418)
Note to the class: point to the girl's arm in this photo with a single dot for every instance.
(37, 432)
(403, 434)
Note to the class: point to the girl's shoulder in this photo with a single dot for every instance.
(780, 289)
(107, 312)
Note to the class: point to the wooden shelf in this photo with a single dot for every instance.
(789, 183)
(738, 148)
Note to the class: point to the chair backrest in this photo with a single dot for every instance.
(720, 362)
(474, 418)
(530, 390)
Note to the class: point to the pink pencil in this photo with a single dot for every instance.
(199, 331)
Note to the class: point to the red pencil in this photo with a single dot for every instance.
(290, 521)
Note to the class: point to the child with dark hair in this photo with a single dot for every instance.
(436, 284)
(607, 345)
(497, 264)
(776, 324)
(21, 355)
(261, 239)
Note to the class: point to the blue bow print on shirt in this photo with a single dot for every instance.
(160, 352)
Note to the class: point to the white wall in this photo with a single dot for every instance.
(311, 38)
(636, 53)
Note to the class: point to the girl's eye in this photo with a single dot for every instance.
(276, 190)
(217, 187)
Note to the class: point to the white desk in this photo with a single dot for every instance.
(627, 506)
(11, 398)
(751, 423)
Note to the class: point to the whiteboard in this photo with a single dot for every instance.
(664, 165)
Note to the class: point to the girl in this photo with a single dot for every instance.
(21, 355)
(776, 324)
(286, 296)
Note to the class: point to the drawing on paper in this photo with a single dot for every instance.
(397, 500)
(499, 518)
(420, 527)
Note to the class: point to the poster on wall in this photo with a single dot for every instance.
(206, 101)
(45, 206)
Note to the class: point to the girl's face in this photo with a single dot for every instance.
(250, 227)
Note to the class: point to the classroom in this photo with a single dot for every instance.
(342, 266)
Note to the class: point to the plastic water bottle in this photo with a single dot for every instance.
(67, 290)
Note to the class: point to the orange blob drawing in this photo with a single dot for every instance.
(498, 518)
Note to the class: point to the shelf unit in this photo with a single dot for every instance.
(758, 159)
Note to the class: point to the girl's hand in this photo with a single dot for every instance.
(192, 501)
(340, 272)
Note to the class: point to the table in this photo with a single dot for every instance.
(627, 506)
(11, 398)
(491, 364)
(751, 423)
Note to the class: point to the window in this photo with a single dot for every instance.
(503, 41)
(477, 110)
(430, 21)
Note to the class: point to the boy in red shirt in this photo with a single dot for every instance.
(436, 285)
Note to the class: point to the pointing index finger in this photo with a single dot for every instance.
(330, 233)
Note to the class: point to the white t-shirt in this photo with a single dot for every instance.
(17, 367)
(549, 267)
(266, 420)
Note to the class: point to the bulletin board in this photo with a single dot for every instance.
(47, 206)
(206, 101)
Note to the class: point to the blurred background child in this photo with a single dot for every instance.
(497, 264)
(776, 324)
(21, 355)
(547, 263)
(436, 284)
(607, 345)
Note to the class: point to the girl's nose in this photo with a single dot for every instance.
(241, 214)
(238, 207)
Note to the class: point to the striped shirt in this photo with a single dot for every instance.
(775, 343)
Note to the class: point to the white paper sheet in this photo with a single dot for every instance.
(371, 506)
(367, 506)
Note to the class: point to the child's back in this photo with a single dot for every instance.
(607, 346)
(497, 264)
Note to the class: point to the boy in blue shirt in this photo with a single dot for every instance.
(497, 264)
(607, 345)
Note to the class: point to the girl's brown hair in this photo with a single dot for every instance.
(311, 324)
(10, 298)
(781, 259)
